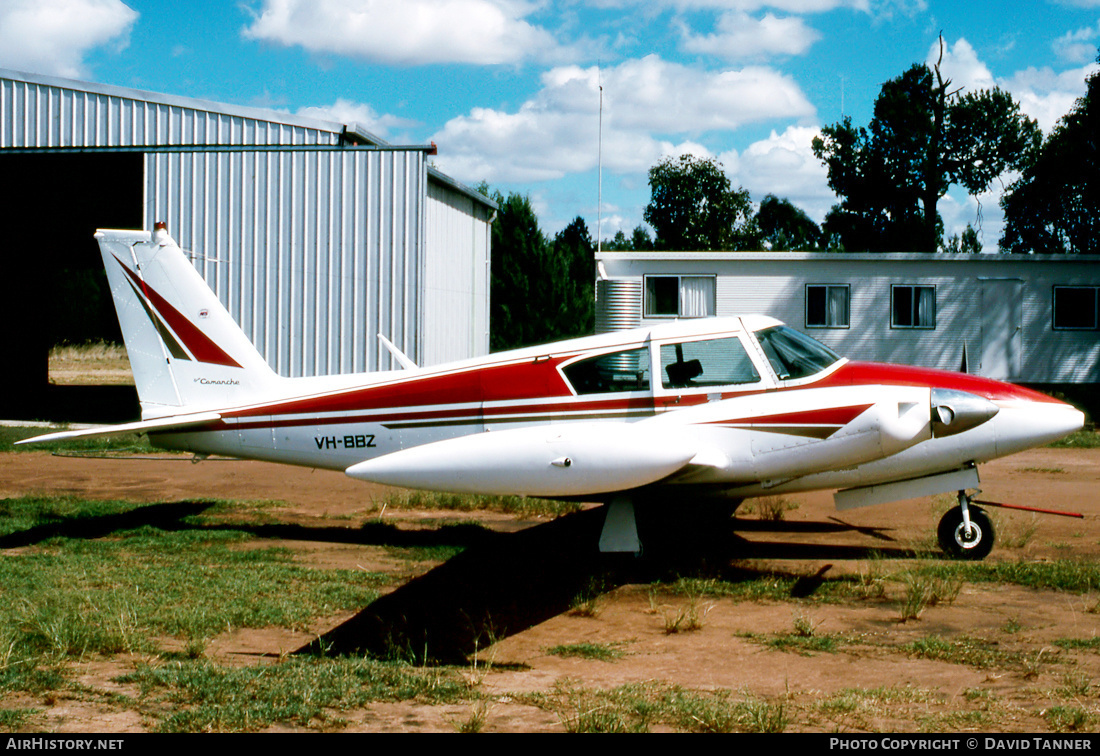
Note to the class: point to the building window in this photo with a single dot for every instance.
(1075, 308)
(827, 305)
(680, 296)
(913, 307)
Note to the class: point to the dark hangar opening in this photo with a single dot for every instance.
(54, 289)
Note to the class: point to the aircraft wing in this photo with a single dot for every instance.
(175, 422)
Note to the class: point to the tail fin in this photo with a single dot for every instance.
(185, 348)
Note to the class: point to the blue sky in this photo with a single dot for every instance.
(510, 89)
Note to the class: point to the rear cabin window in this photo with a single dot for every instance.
(713, 362)
(610, 373)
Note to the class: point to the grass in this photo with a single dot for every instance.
(305, 692)
(606, 652)
(523, 506)
(1082, 439)
(639, 707)
(979, 653)
(90, 363)
(70, 597)
(128, 444)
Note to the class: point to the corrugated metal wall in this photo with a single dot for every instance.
(456, 277)
(42, 112)
(314, 252)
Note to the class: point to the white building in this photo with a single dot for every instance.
(317, 236)
(1027, 319)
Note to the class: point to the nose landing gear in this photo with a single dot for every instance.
(966, 532)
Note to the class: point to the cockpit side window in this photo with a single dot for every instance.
(610, 373)
(793, 354)
(713, 362)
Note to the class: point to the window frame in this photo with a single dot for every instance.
(894, 325)
(679, 301)
(847, 306)
(1095, 308)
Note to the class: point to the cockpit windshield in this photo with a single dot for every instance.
(794, 354)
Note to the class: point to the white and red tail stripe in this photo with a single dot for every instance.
(185, 348)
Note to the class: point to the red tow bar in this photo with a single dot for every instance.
(1029, 509)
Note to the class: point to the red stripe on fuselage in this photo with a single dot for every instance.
(837, 416)
(885, 374)
(494, 383)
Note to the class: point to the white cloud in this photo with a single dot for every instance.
(738, 36)
(1078, 46)
(747, 6)
(1045, 95)
(652, 108)
(961, 66)
(345, 111)
(53, 36)
(784, 165)
(410, 32)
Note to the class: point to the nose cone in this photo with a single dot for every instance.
(1025, 425)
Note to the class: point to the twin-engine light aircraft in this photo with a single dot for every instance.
(727, 407)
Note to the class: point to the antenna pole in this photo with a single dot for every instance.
(599, 180)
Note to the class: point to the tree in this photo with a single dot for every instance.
(1054, 207)
(785, 227)
(639, 241)
(967, 244)
(573, 292)
(923, 139)
(518, 248)
(694, 207)
(539, 290)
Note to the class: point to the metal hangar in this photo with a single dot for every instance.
(317, 236)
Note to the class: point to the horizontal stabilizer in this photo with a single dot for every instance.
(176, 422)
(579, 459)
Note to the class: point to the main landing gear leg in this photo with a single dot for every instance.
(966, 532)
(620, 530)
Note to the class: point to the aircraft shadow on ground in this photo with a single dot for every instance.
(512, 582)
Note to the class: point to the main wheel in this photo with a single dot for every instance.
(957, 543)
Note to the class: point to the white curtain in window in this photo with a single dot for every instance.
(926, 307)
(697, 297)
(837, 306)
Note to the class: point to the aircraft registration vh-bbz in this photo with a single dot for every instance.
(718, 407)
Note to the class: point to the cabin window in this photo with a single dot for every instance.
(680, 296)
(610, 373)
(827, 306)
(1075, 308)
(913, 307)
(714, 362)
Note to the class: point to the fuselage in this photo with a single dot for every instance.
(756, 395)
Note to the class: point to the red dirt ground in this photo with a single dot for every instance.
(529, 576)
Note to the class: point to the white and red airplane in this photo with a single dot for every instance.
(717, 407)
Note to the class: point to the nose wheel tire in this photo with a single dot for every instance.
(959, 543)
